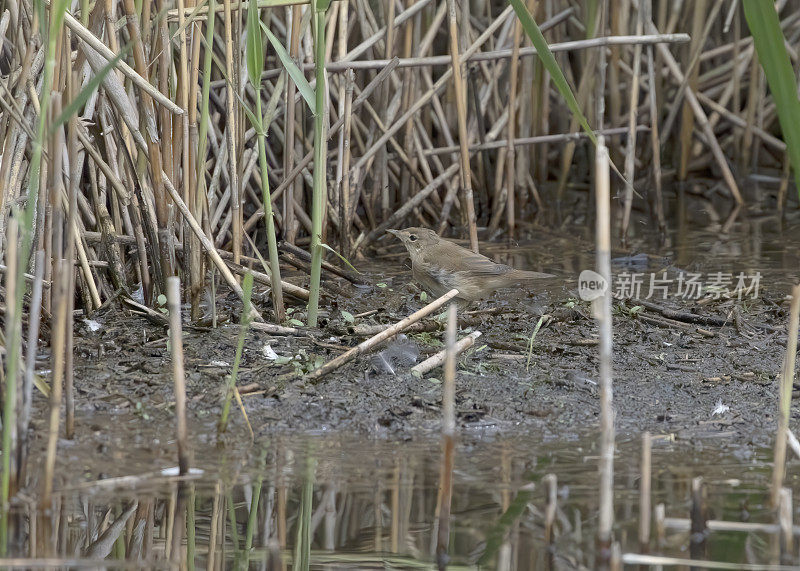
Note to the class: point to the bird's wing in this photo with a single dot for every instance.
(452, 258)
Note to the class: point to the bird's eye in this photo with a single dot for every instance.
(412, 237)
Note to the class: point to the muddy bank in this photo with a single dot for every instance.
(709, 380)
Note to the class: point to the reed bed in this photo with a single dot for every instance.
(166, 133)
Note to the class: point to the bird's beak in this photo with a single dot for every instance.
(394, 232)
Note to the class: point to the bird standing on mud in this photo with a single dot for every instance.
(440, 265)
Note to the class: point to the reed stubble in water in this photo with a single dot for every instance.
(440, 265)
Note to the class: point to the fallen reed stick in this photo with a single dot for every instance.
(556, 138)
(494, 55)
(374, 341)
(662, 560)
(94, 42)
(200, 14)
(277, 329)
(439, 358)
(685, 524)
(266, 279)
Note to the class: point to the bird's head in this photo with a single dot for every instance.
(415, 239)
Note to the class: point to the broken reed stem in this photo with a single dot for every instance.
(550, 482)
(448, 442)
(602, 310)
(785, 522)
(785, 397)
(178, 374)
(449, 386)
(644, 493)
(439, 358)
(375, 340)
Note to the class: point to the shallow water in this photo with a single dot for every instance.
(373, 504)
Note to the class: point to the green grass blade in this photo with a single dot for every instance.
(769, 41)
(255, 47)
(549, 62)
(294, 72)
(244, 326)
(342, 258)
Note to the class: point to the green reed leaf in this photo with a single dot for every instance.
(765, 27)
(255, 46)
(295, 72)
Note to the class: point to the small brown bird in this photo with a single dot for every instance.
(440, 265)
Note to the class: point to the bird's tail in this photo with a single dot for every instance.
(523, 275)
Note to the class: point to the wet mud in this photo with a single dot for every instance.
(708, 376)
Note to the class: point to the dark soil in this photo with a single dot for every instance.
(669, 375)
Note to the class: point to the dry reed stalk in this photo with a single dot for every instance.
(687, 117)
(374, 341)
(34, 320)
(633, 107)
(701, 118)
(603, 316)
(699, 520)
(644, 493)
(71, 223)
(178, 375)
(381, 179)
(785, 509)
(289, 224)
(208, 245)
(346, 205)
(645, 15)
(232, 134)
(785, 397)
(511, 178)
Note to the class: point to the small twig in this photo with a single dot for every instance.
(438, 359)
(374, 341)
